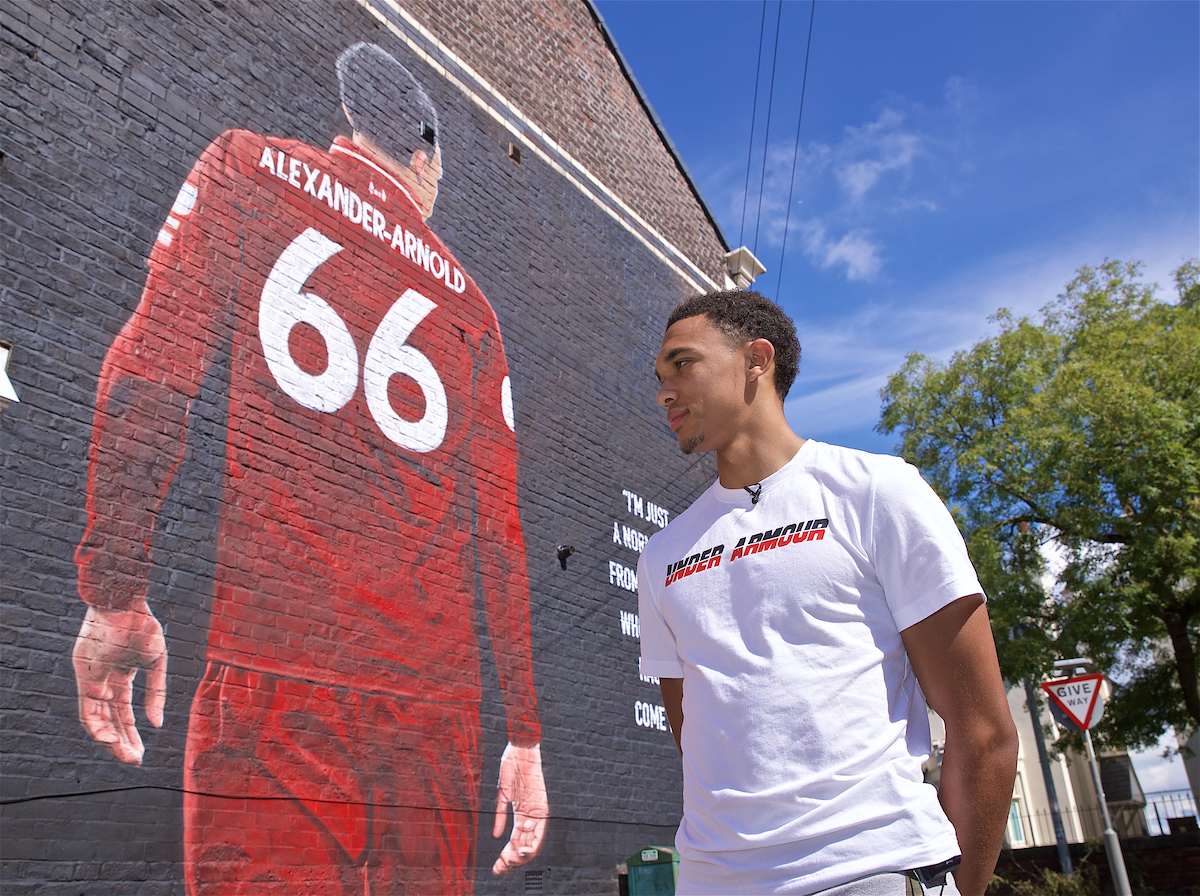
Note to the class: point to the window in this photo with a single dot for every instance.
(1016, 832)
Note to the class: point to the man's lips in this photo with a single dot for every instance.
(674, 418)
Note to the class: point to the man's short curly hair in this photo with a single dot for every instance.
(743, 316)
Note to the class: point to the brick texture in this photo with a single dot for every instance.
(551, 60)
(104, 107)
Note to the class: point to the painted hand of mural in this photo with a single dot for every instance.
(521, 785)
(112, 646)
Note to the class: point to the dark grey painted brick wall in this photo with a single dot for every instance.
(104, 108)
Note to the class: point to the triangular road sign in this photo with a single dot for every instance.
(1078, 698)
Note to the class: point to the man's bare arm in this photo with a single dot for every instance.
(954, 658)
(672, 694)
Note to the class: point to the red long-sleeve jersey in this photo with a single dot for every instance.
(371, 464)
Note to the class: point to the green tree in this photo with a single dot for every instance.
(1078, 437)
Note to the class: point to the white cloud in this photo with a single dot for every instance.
(870, 151)
(849, 404)
(962, 96)
(1027, 279)
(848, 358)
(875, 177)
(855, 250)
(1156, 773)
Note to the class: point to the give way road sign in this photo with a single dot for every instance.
(1078, 697)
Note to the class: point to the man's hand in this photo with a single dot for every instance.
(111, 647)
(522, 786)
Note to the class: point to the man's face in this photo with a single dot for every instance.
(702, 384)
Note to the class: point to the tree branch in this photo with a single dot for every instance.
(1185, 662)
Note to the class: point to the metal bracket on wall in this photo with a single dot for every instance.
(565, 551)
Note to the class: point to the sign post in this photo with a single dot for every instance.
(1079, 698)
(1060, 836)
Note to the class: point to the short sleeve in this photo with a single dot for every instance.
(660, 658)
(918, 553)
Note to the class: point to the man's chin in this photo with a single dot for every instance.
(692, 444)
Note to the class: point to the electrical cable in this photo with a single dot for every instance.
(767, 134)
(753, 116)
(241, 797)
(787, 218)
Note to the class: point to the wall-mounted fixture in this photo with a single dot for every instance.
(565, 551)
(7, 392)
(743, 267)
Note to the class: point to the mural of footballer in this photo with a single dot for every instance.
(369, 494)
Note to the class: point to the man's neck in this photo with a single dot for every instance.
(401, 172)
(752, 457)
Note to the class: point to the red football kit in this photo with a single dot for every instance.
(370, 483)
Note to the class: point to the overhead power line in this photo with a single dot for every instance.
(795, 150)
(753, 116)
(767, 133)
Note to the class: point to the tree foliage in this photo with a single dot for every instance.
(1073, 441)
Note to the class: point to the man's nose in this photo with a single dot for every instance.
(666, 395)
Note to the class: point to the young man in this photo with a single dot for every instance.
(370, 482)
(798, 616)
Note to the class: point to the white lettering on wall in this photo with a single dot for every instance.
(284, 304)
(344, 201)
(630, 625)
(628, 537)
(647, 510)
(645, 715)
(657, 515)
(633, 539)
(649, 715)
(622, 576)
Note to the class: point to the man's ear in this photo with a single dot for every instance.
(760, 358)
(417, 162)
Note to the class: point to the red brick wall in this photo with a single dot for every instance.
(550, 60)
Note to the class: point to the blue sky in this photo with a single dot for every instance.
(954, 158)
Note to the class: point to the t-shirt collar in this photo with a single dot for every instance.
(347, 147)
(741, 496)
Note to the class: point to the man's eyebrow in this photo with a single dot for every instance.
(671, 356)
(676, 352)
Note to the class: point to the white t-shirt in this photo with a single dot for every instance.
(804, 727)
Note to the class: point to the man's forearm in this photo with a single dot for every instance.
(137, 440)
(672, 694)
(954, 658)
(976, 789)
